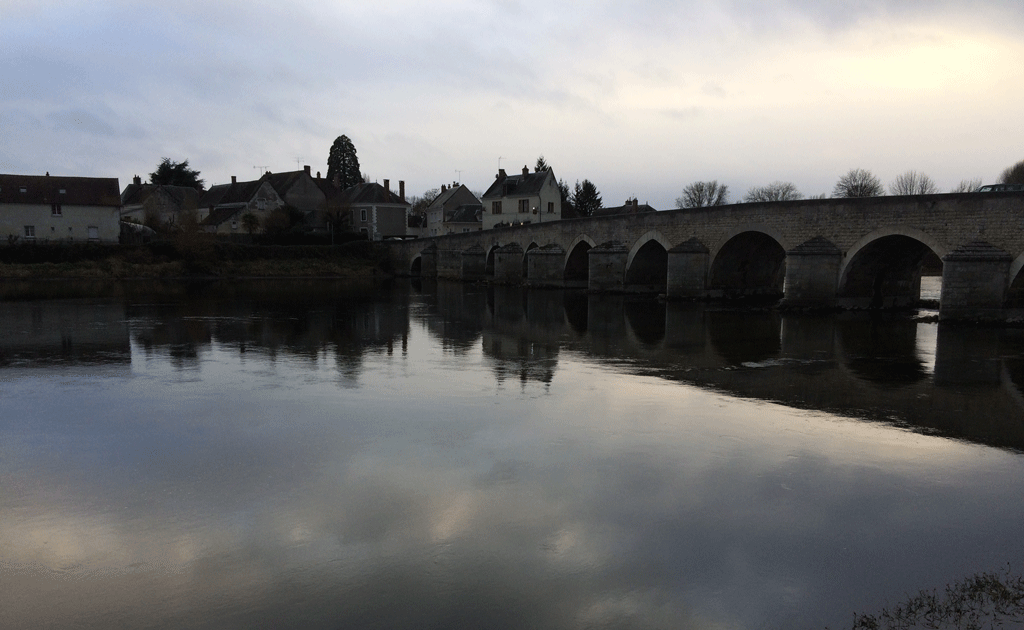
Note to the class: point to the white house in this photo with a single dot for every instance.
(518, 199)
(44, 208)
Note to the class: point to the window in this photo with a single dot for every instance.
(23, 189)
(362, 216)
(551, 207)
(30, 231)
(63, 191)
(55, 209)
(495, 207)
(364, 230)
(261, 203)
(94, 233)
(234, 225)
(524, 205)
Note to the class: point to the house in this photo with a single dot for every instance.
(224, 205)
(519, 199)
(465, 218)
(159, 204)
(374, 210)
(44, 208)
(632, 206)
(299, 190)
(441, 209)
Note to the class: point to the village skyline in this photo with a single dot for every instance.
(641, 98)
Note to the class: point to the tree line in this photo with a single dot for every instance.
(855, 183)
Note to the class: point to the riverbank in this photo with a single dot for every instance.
(171, 260)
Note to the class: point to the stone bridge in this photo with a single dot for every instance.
(821, 253)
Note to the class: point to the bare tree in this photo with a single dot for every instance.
(913, 183)
(967, 186)
(775, 191)
(1013, 174)
(702, 194)
(858, 183)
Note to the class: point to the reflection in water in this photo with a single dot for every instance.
(298, 454)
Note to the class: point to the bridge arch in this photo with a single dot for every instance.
(647, 262)
(883, 269)
(767, 230)
(576, 270)
(939, 248)
(752, 262)
(489, 261)
(1015, 283)
(526, 250)
(416, 266)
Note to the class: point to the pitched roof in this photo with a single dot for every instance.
(46, 189)
(466, 213)
(219, 215)
(628, 208)
(231, 194)
(138, 193)
(517, 185)
(362, 194)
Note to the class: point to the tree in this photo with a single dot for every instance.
(1013, 174)
(585, 198)
(858, 183)
(701, 194)
(251, 223)
(775, 191)
(542, 165)
(913, 183)
(171, 173)
(568, 209)
(967, 186)
(342, 161)
(418, 205)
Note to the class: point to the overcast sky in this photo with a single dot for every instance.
(639, 97)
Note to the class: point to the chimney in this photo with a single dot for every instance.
(318, 174)
(501, 174)
(526, 170)
(306, 168)
(387, 188)
(636, 203)
(137, 180)
(401, 189)
(234, 180)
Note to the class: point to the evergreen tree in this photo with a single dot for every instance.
(541, 166)
(342, 161)
(585, 198)
(171, 173)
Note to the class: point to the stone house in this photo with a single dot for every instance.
(159, 204)
(45, 208)
(520, 199)
(441, 209)
(226, 204)
(374, 210)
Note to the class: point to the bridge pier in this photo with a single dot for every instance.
(545, 266)
(508, 264)
(687, 270)
(974, 282)
(474, 264)
(607, 264)
(428, 262)
(812, 274)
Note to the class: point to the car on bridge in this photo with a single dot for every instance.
(1002, 188)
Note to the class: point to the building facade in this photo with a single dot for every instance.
(41, 209)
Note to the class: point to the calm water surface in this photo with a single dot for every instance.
(302, 455)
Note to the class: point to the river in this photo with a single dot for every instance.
(302, 454)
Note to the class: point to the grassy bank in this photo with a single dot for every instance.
(191, 258)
